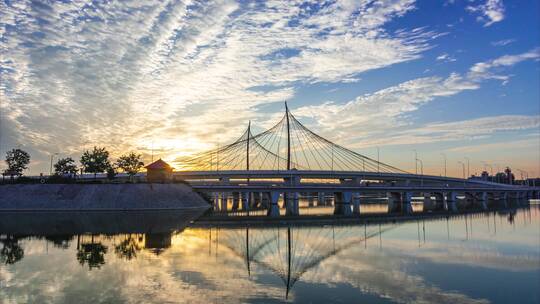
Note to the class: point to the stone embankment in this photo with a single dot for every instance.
(78, 197)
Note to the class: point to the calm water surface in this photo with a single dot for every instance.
(154, 258)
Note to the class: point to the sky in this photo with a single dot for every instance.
(445, 78)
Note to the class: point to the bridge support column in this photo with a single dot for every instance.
(292, 206)
(451, 204)
(236, 201)
(245, 201)
(224, 200)
(429, 204)
(257, 199)
(311, 199)
(265, 200)
(394, 202)
(216, 201)
(440, 200)
(482, 200)
(503, 200)
(471, 200)
(400, 202)
(356, 203)
(320, 199)
(342, 203)
(406, 205)
(273, 208)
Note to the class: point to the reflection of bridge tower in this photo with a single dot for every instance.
(291, 251)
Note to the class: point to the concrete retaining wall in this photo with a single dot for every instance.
(23, 197)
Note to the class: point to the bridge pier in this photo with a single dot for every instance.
(394, 199)
(273, 208)
(320, 198)
(256, 199)
(236, 201)
(406, 205)
(400, 202)
(503, 200)
(342, 203)
(224, 200)
(356, 203)
(429, 204)
(450, 204)
(245, 201)
(311, 199)
(440, 200)
(292, 206)
(216, 201)
(265, 200)
(481, 200)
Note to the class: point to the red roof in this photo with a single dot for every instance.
(158, 164)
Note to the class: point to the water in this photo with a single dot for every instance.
(491, 257)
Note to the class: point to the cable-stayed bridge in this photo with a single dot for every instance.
(288, 161)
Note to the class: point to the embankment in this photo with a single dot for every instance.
(79, 197)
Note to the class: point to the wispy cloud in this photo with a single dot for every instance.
(386, 110)
(445, 57)
(490, 12)
(503, 42)
(178, 74)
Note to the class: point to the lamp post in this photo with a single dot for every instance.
(488, 165)
(415, 162)
(421, 171)
(444, 157)
(50, 170)
(468, 167)
(463, 165)
(378, 160)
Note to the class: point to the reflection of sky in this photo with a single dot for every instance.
(202, 266)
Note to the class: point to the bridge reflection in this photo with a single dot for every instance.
(289, 251)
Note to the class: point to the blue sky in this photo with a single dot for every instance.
(453, 77)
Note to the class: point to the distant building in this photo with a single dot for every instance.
(158, 172)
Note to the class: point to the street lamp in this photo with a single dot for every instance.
(415, 162)
(468, 167)
(378, 159)
(421, 170)
(444, 156)
(50, 170)
(463, 165)
(488, 165)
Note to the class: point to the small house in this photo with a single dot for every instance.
(158, 172)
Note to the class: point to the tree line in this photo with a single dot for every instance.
(94, 161)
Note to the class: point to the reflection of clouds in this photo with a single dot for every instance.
(376, 273)
(477, 256)
(174, 276)
(197, 270)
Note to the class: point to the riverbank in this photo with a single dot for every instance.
(98, 197)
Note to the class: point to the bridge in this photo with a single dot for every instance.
(289, 162)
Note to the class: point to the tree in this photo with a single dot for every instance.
(11, 251)
(65, 166)
(127, 249)
(96, 161)
(131, 163)
(111, 172)
(92, 254)
(17, 161)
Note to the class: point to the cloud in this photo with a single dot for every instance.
(445, 57)
(521, 144)
(490, 12)
(464, 130)
(386, 110)
(503, 42)
(182, 75)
